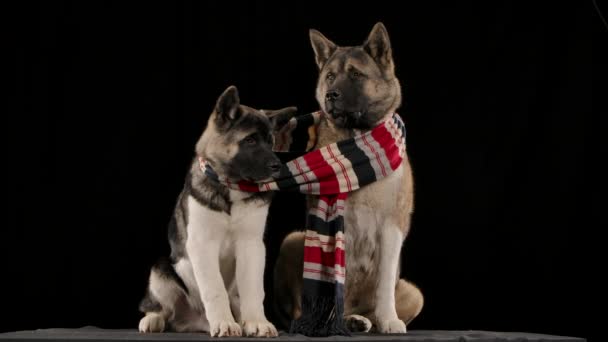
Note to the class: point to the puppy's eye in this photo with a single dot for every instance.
(330, 76)
(250, 141)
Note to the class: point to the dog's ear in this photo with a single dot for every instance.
(227, 107)
(322, 46)
(281, 116)
(378, 45)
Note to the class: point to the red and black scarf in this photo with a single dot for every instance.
(329, 173)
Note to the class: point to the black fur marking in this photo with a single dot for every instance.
(254, 157)
(176, 240)
(177, 233)
(205, 191)
(149, 303)
(252, 162)
(164, 267)
(225, 124)
(253, 123)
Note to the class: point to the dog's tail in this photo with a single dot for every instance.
(408, 300)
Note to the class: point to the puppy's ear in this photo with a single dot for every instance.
(227, 106)
(281, 116)
(378, 46)
(322, 46)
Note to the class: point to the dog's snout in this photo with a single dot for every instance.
(332, 95)
(274, 166)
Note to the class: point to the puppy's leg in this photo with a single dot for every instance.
(250, 261)
(154, 319)
(159, 304)
(385, 314)
(205, 238)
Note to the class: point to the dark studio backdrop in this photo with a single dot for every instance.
(112, 96)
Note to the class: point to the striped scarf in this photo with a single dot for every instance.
(329, 174)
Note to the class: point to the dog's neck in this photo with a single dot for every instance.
(216, 195)
(329, 133)
(207, 192)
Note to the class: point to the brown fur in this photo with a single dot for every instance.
(372, 213)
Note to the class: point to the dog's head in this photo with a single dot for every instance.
(238, 139)
(357, 85)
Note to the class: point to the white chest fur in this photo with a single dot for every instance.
(226, 250)
(241, 213)
(366, 212)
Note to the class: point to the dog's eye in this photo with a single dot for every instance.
(330, 76)
(250, 141)
(356, 74)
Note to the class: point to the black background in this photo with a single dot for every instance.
(498, 101)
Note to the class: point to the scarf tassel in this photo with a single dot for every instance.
(321, 316)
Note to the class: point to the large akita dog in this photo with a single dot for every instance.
(214, 277)
(357, 89)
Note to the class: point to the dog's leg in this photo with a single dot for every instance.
(250, 261)
(205, 238)
(357, 323)
(385, 313)
(159, 304)
(155, 315)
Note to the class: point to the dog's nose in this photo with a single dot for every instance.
(332, 95)
(274, 166)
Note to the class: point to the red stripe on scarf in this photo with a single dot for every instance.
(301, 171)
(387, 142)
(248, 186)
(316, 255)
(373, 150)
(328, 182)
(331, 153)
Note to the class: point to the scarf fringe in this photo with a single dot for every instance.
(321, 316)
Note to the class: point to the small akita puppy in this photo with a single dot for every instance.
(214, 276)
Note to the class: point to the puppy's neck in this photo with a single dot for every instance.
(216, 195)
(207, 192)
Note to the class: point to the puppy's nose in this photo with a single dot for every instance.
(274, 166)
(332, 95)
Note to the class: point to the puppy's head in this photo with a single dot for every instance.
(238, 139)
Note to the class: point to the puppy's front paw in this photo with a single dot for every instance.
(152, 322)
(391, 326)
(224, 328)
(357, 323)
(259, 329)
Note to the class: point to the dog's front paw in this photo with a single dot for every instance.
(357, 323)
(224, 328)
(152, 322)
(261, 328)
(391, 326)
